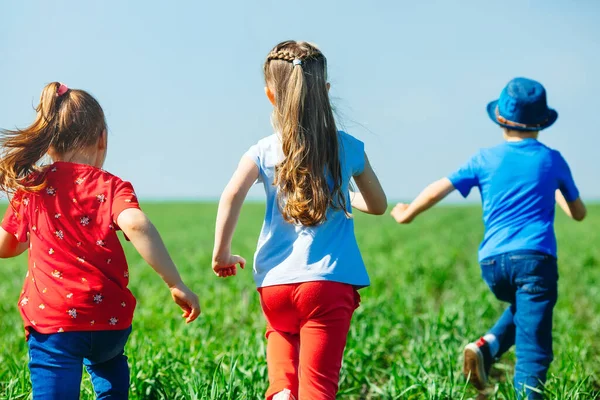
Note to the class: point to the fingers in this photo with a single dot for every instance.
(399, 213)
(195, 306)
(188, 302)
(240, 260)
(228, 266)
(226, 272)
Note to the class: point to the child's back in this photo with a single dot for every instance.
(517, 181)
(73, 242)
(292, 253)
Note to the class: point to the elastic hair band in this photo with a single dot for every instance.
(297, 61)
(62, 89)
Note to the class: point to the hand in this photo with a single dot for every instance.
(187, 300)
(225, 266)
(401, 215)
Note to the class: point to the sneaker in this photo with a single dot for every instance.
(477, 363)
(285, 394)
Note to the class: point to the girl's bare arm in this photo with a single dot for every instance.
(224, 263)
(147, 241)
(10, 246)
(371, 198)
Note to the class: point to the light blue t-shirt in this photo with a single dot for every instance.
(289, 253)
(517, 181)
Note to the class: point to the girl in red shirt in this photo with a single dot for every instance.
(75, 302)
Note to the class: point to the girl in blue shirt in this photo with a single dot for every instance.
(520, 182)
(307, 265)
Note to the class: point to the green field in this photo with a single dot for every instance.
(426, 302)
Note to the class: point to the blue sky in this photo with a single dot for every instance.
(182, 88)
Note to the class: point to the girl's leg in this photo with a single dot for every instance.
(283, 341)
(326, 309)
(110, 378)
(55, 363)
(282, 362)
(107, 364)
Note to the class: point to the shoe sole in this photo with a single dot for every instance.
(473, 367)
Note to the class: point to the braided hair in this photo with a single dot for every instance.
(309, 179)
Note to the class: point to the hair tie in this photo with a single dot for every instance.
(62, 89)
(297, 61)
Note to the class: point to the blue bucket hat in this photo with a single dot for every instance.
(522, 106)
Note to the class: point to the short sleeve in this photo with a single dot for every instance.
(566, 184)
(466, 178)
(354, 153)
(124, 197)
(254, 154)
(15, 219)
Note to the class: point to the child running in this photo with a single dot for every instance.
(307, 266)
(75, 303)
(519, 181)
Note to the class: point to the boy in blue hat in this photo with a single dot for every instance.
(520, 182)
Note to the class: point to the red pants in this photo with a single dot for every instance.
(307, 326)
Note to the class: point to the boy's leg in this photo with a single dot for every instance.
(479, 355)
(326, 308)
(536, 297)
(107, 364)
(55, 363)
(504, 331)
(283, 341)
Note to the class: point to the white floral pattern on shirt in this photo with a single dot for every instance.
(113, 321)
(98, 298)
(72, 313)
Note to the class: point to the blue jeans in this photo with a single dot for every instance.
(55, 363)
(528, 280)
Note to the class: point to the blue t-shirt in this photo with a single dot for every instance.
(289, 253)
(517, 181)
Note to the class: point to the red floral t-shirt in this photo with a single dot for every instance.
(77, 276)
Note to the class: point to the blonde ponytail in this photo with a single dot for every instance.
(309, 178)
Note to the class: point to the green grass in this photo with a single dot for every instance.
(426, 302)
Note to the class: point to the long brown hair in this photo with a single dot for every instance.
(296, 72)
(67, 119)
